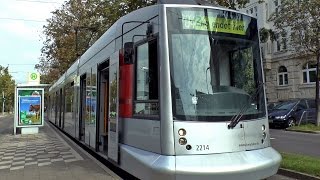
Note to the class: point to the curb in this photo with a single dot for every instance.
(297, 175)
(302, 131)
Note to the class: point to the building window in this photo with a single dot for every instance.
(278, 44)
(283, 76)
(284, 43)
(309, 73)
(284, 40)
(281, 41)
(267, 12)
(269, 48)
(276, 7)
(256, 10)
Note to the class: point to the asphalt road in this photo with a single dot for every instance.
(295, 142)
(6, 125)
(279, 177)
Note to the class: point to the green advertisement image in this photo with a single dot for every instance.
(30, 107)
(37, 92)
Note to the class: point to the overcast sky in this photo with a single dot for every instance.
(21, 38)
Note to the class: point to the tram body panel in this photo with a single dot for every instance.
(207, 138)
(257, 134)
(167, 138)
(146, 164)
(243, 165)
(141, 133)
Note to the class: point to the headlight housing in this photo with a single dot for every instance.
(280, 117)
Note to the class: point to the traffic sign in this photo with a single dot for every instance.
(33, 78)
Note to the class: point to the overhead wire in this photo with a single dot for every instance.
(29, 20)
(37, 1)
(20, 19)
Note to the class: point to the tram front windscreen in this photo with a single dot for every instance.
(215, 65)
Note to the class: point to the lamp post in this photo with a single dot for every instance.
(3, 99)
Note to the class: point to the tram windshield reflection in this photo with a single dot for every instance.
(214, 69)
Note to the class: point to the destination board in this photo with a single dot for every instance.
(196, 21)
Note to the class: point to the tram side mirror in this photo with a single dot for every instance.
(149, 30)
(128, 53)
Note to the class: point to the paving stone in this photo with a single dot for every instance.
(45, 156)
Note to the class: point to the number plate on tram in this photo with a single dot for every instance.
(202, 147)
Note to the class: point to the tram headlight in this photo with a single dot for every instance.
(182, 141)
(263, 128)
(182, 132)
(264, 135)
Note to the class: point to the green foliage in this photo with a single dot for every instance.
(302, 20)
(7, 85)
(243, 67)
(74, 27)
(306, 127)
(265, 34)
(232, 4)
(301, 163)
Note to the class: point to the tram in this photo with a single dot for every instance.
(172, 91)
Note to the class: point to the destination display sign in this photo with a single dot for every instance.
(193, 21)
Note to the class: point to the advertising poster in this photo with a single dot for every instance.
(30, 107)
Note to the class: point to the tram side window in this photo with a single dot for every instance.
(146, 93)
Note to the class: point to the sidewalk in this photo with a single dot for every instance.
(46, 155)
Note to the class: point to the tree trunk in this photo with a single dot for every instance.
(317, 90)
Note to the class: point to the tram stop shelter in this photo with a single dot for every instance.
(29, 107)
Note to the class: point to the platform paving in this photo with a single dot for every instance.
(45, 156)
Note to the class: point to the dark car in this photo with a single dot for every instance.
(289, 113)
(270, 106)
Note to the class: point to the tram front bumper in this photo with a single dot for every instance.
(244, 165)
(254, 164)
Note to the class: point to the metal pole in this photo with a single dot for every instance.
(317, 92)
(2, 103)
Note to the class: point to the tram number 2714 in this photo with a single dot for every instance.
(202, 147)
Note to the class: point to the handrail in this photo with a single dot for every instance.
(306, 118)
(301, 117)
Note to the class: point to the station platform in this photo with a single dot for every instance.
(48, 155)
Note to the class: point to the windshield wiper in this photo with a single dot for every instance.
(237, 118)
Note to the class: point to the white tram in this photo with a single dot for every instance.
(172, 91)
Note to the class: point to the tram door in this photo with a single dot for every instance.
(61, 107)
(113, 133)
(104, 109)
(83, 87)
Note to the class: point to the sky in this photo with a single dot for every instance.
(21, 37)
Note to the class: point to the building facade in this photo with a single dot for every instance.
(287, 75)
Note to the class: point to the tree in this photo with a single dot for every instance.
(232, 4)
(7, 86)
(302, 19)
(74, 27)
